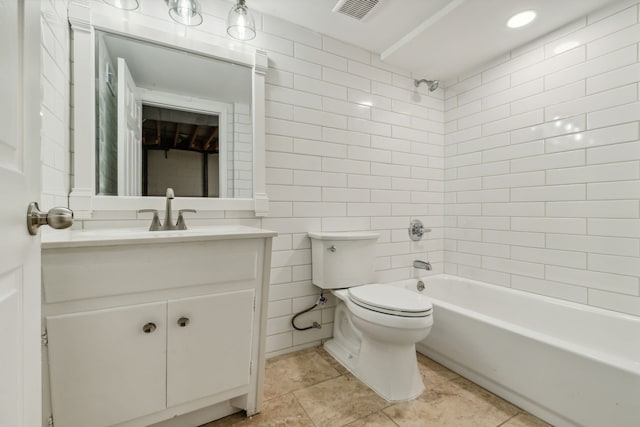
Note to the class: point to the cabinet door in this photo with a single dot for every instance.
(212, 352)
(104, 367)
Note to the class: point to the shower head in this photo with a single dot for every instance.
(432, 84)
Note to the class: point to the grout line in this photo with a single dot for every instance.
(508, 419)
(304, 410)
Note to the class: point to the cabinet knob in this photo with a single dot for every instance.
(183, 321)
(149, 327)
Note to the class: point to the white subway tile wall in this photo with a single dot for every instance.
(542, 173)
(350, 146)
(527, 170)
(54, 82)
(240, 161)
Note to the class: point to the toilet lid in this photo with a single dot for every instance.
(391, 300)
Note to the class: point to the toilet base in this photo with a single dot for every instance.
(389, 370)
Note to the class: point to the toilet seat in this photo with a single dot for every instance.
(390, 300)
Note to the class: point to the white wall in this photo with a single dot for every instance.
(55, 104)
(240, 161)
(350, 146)
(177, 169)
(334, 163)
(543, 165)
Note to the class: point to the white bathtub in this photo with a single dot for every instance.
(569, 364)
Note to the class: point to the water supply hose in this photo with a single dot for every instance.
(321, 301)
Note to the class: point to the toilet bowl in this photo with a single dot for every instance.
(376, 326)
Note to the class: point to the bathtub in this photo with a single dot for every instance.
(569, 364)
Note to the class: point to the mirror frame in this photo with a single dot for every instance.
(85, 17)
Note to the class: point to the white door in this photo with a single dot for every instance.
(129, 134)
(20, 373)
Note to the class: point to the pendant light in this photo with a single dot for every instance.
(240, 23)
(123, 4)
(186, 12)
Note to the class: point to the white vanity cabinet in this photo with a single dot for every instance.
(133, 342)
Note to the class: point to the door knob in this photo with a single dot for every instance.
(58, 218)
(183, 321)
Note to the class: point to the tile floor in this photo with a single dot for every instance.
(309, 388)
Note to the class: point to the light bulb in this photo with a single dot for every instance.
(521, 19)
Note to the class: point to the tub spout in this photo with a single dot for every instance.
(422, 264)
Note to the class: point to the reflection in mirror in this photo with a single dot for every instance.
(180, 150)
(170, 118)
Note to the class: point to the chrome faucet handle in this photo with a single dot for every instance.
(417, 230)
(155, 222)
(181, 225)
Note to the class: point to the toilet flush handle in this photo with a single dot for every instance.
(332, 248)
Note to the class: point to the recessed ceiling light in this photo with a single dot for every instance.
(521, 19)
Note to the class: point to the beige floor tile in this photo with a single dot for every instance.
(456, 403)
(374, 420)
(434, 373)
(525, 420)
(333, 362)
(284, 375)
(453, 411)
(310, 388)
(281, 411)
(292, 354)
(476, 394)
(339, 401)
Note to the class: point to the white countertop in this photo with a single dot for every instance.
(138, 236)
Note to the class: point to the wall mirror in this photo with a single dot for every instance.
(170, 118)
(155, 109)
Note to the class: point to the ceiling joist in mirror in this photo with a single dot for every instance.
(164, 129)
(159, 135)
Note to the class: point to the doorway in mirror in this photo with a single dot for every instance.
(180, 150)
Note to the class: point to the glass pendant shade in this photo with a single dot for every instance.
(240, 23)
(123, 4)
(186, 12)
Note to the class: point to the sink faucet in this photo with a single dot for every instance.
(168, 222)
(422, 264)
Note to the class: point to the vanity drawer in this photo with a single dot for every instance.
(91, 272)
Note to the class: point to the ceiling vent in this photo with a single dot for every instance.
(356, 9)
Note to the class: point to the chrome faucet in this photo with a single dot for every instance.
(422, 264)
(168, 222)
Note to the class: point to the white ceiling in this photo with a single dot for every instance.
(437, 39)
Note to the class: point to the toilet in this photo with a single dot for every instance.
(376, 326)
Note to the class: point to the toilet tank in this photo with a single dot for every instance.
(343, 259)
